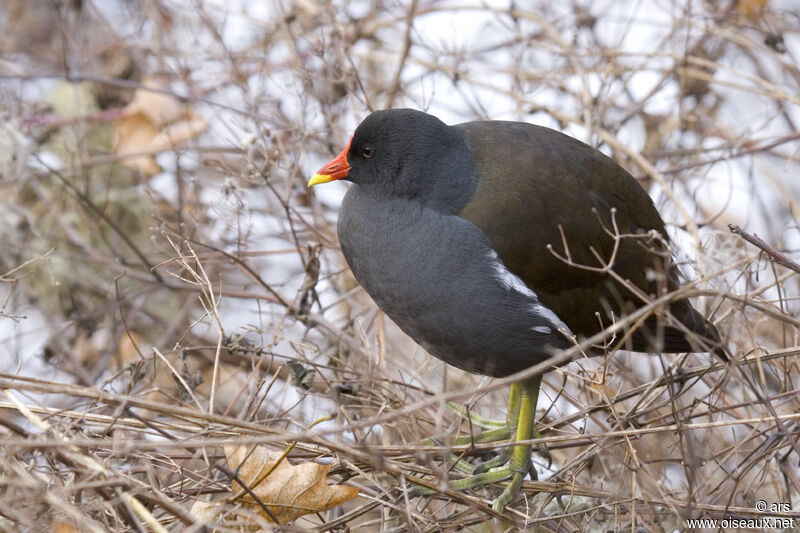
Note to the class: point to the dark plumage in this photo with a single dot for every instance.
(448, 227)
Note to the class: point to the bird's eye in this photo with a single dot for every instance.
(368, 151)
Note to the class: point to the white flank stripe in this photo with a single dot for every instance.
(511, 281)
(508, 278)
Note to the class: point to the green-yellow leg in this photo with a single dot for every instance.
(499, 431)
(521, 413)
(520, 461)
(514, 404)
(510, 427)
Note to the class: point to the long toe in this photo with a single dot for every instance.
(509, 493)
(532, 472)
(499, 460)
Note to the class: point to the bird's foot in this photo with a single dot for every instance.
(468, 483)
(499, 430)
(498, 460)
(498, 469)
(497, 434)
(522, 406)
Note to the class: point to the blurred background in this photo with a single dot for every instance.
(168, 284)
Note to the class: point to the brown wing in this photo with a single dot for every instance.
(539, 187)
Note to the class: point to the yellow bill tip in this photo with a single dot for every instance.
(316, 179)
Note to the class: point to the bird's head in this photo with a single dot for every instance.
(409, 154)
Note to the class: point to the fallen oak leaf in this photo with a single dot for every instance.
(289, 491)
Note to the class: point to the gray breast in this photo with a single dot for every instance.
(437, 277)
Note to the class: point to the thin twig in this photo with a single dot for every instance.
(775, 254)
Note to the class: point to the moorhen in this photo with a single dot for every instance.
(495, 244)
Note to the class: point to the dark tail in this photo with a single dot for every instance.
(701, 337)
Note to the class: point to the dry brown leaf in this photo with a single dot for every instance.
(178, 132)
(160, 108)
(290, 491)
(750, 7)
(132, 134)
(64, 527)
(153, 122)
